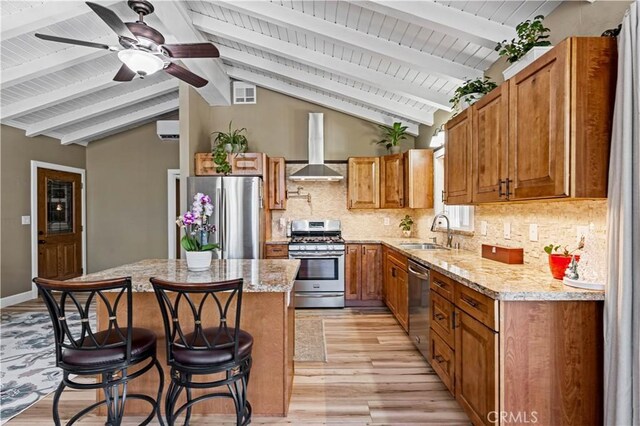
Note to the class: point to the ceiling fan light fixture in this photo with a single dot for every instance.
(140, 62)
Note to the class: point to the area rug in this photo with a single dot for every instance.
(27, 357)
(310, 344)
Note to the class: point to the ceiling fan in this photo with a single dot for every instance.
(142, 48)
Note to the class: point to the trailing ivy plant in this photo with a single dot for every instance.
(226, 143)
(479, 85)
(530, 34)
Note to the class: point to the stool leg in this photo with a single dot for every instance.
(160, 389)
(168, 413)
(188, 416)
(56, 400)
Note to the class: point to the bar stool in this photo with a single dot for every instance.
(82, 351)
(221, 348)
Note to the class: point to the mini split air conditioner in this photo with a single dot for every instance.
(168, 130)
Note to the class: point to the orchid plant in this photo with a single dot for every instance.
(196, 225)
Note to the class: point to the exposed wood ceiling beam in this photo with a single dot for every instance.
(175, 17)
(370, 99)
(318, 98)
(444, 19)
(396, 53)
(34, 17)
(72, 91)
(103, 107)
(56, 61)
(320, 60)
(99, 130)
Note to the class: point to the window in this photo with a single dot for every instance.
(460, 217)
(244, 93)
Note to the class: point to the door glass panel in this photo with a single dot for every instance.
(318, 269)
(59, 207)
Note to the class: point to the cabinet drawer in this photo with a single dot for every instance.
(442, 318)
(442, 285)
(442, 360)
(397, 258)
(277, 251)
(481, 307)
(248, 163)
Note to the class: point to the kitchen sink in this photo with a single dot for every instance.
(422, 246)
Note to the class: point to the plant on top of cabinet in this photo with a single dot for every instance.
(224, 143)
(406, 223)
(530, 34)
(472, 90)
(391, 136)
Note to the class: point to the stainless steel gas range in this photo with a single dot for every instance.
(320, 247)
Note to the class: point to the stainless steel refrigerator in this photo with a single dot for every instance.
(238, 213)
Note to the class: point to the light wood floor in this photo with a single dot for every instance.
(374, 376)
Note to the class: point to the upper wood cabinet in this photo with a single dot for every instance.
(403, 180)
(363, 189)
(276, 184)
(457, 177)
(545, 133)
(418, 179)
(248, 163)
(392, 181)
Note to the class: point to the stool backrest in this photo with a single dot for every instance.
(63, 300)
(176, 298)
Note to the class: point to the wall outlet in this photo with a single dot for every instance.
(483, 227)
(533, 232)
(581, 231)
(507, 231)
(26, 220)
(386, 221)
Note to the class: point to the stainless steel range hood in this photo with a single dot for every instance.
(316, 170)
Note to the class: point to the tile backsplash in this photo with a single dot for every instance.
(557, 221)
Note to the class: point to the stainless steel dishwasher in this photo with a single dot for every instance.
(419, 307)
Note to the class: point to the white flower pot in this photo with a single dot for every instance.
(467, 100)
(406, 234)
(198, 260)
(527, 59)
(394, 149)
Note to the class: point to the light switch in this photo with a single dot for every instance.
(507, 231)
(533, 232)
(26, 220)
(385, 221)
(483, 227)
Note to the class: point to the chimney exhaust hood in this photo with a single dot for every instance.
(316, 170)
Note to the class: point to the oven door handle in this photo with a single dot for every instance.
(315, 254)
(318, 295)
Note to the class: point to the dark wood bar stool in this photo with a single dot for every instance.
(83, 351)
(198, 350)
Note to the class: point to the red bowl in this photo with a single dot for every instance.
(558, 264)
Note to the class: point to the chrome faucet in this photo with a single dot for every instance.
(435, 222)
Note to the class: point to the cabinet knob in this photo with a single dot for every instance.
(439, 359)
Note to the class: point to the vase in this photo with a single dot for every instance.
(558, 264)
(394, 149)
(467, 100)
(528, 58)
(406, 234)
(198, 260)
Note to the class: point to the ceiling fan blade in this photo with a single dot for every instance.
(193, 50)
(74, 41)
(124, 74)
(112, 20)
(186, 75)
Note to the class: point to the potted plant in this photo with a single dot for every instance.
(560, 258)
(472, 90)
(530, 44)
(225, 143)
(406, 225)
(391, 137)
(197, 232)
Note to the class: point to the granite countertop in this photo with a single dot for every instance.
(260, 275)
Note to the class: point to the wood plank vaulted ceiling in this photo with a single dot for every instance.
(384, 61)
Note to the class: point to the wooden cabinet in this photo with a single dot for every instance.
(392, 181)
(363, 275)
(401, 180)
(544, 133)
(418, 179)
(363, 189)
(277, 251)
(476, 368)
(457, 158)
(396, 286)
(276, 184)
(248, 163)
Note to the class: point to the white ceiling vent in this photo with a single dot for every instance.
(168, 130)
(244, 93)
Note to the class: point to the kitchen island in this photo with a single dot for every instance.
(267, 314)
